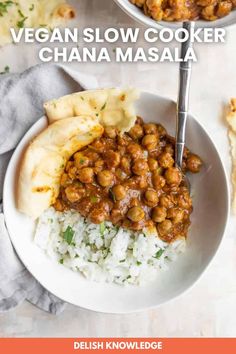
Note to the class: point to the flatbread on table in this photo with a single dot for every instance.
(45, 159)
(111, 106)
(32, 14)
(231, 120)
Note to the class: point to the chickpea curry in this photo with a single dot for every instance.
(180, 10)
(130, 180)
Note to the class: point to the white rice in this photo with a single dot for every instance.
(103, 253)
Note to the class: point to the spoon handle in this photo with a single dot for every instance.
(183, 98)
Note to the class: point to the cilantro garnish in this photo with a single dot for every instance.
(159, 253)
(93, 199)
(4, 5)
(68, 235)
(102, 228)
(31, 8)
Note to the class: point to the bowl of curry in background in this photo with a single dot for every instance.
(158, 14)
(210, 195)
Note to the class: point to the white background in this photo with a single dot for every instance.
(209, 308)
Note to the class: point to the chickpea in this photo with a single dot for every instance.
(120, 174)
(134, 202)
(98, 145)
(136, 132)
(158, 180)
(105, 178)
(116, 215)
(194, 163)
(81, 160)
(122, 140)
(72, 172)
(169, 148)
(119, 192)
(125, 164)
(84, 206)
(138, 3)
(74, 194)
(110, 132)
(112, 158)
(86, 175)
(65, 180)
(159, 214)
(134, 150)
(223, 9)
(184, 200)
(92, 156)
(176, 215)
(161, 131)
(166, 160)
(173, 176)
(97, 215)
(150, 141)
(59, 205)
(166, 201)
(164, 227)
(151, 198)
(150, 128)
(140, 167)
(136, 214)
(152, 163)
(141, 181)
(98, 166)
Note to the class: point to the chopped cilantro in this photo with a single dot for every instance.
(93, 199)
(104, 106)
(128, 277)
(21, 14)
(139, 263)
(21, 23)
(31, 8)
(102, 228)
(6, 70)
(61, 261)
(96, 114)
(4, 5)
(68, 235)
(81, 161)
(81, 98)
(122, 261)
(159, 253)
(112, 195)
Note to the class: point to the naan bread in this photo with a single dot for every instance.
(111, 106)
(231, 119)
(45, 159)
(32, 13)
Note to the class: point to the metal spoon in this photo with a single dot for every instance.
(183, 102)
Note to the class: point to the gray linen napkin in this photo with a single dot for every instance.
(21, 104)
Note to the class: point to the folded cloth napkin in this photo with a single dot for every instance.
(22, 97)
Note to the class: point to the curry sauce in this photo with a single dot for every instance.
(130, 180)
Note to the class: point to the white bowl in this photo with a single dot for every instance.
(211, 207)
(137, 14)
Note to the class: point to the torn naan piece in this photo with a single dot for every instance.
(45, 159)
(231, 120)
(113, 107)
